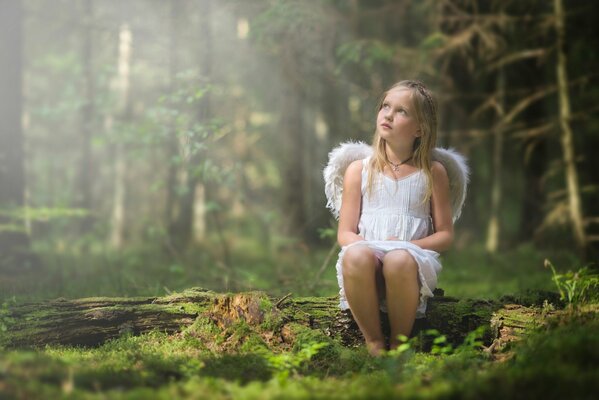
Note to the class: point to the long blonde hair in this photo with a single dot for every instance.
(425, 107)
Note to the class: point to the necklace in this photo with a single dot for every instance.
(395, 167)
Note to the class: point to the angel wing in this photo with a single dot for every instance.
(458, 173)
(339, 159)
(344, 154)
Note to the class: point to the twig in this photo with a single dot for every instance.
(282, 299)
(325, 264)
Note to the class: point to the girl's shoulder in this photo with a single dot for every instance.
(354, 169)
(359, 165)
(438, 170)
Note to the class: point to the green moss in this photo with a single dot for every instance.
(253, 342)
(242, 368)
(157, 365)
(265, 304)
(204, 329)
(273, 321)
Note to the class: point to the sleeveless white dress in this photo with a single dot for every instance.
(395, 208)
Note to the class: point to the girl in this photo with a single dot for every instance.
(395, 216)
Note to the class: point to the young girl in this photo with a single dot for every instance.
(395, 215)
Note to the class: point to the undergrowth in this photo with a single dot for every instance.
(557, 360)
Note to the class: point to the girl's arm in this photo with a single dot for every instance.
(351, 201)
(441, 212)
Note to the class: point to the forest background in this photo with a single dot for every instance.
(150, 146)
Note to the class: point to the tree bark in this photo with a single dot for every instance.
(92, 321)
(567, 138)
(84, 174)
(14, 242)
(120, 169)
(172, 140)
(293, 145)
(192, 220)
(494, 226)
(534, 167)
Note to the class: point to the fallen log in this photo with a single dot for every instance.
(274, 322)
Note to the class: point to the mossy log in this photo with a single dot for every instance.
(93, 321)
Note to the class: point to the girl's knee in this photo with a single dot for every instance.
(399, 263)
(358, 259)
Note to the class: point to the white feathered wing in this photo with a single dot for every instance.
(348, 152)
(339, 159)
(458, 174)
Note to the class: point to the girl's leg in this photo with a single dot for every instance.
(402, 291)
(359, 281)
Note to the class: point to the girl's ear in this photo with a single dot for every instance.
(418, 133)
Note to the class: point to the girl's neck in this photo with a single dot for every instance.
(398, 156)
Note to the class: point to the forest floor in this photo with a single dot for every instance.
(560, 359)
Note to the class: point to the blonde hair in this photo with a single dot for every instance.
(425, 110)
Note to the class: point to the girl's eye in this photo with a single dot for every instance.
(402, 111)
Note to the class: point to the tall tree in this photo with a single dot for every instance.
(13, 239)
(197, 184)
(120, 168)
(494, 227)
(567, 141)
(172, 141)
(191, 221)
(85, 170)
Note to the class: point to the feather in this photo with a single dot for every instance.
(458, 174)
(348, 152)
(339, 159)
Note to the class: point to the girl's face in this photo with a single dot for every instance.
(396, 121)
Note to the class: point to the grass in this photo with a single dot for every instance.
(474, 273)
(158, 366)
(291, 268)
(558, 361)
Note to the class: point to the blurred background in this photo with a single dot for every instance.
(147, 146)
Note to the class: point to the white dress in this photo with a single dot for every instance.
(395, 208)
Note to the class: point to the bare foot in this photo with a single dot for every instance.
(376, 349)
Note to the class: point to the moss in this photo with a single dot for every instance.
(165, 366)
(305, 335)
(203, 328)
(273, 321)
(195, 294)
(253, 343)
(242, 368)
(265, 304)
(560, 363)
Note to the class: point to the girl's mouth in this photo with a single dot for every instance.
(386, 126)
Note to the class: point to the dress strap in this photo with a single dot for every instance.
(365, 164)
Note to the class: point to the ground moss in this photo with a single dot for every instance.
(241, 368)
(558, 360)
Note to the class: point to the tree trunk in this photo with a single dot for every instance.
(534, 167)
(14, 242)
(191, 225)
(92, 321)
(292, 136)
(120, 170)
(172, 141)
(494, 227)
(567, 139)
(84, 173)
(117, 232)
